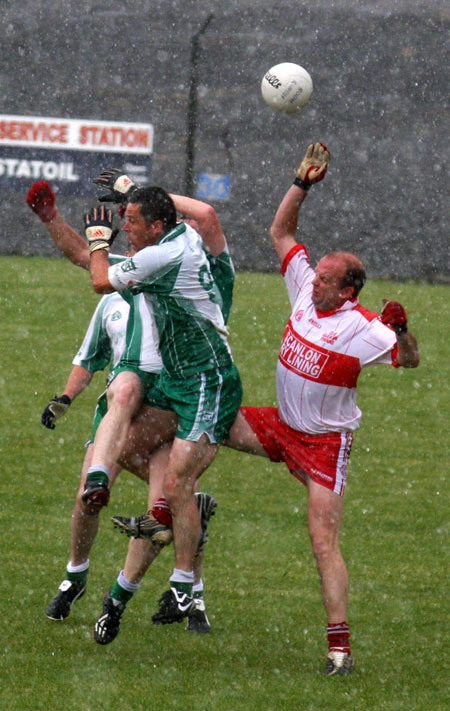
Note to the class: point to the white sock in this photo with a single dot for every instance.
(198, 587)
(77, 568)
(125, 583)
(182, 576)
(99, 468)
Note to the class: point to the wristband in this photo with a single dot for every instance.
(301, 184)
(98, 244)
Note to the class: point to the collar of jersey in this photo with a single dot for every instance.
(174, 232)
(346, 306)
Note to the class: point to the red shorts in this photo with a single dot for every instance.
(323, 457)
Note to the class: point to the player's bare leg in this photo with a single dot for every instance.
(85, 517)
(146, 525)
(128, 432)
(141, 554)
(187, 461)
(324, 519)
(243, 438)
(147, 430)
(84, 528)
(325, 510)
(124, 399)
(146, 531)
(142, 551)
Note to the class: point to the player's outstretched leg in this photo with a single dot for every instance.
(158, 529)
(145, 526)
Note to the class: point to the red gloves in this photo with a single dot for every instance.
(41, 199)
(394, 315)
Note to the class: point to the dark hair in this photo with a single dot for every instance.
(156, 204)
(355, 277)
(355, 274)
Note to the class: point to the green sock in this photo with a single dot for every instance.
(80, 578)
(119, 593)
(98, 476)
(182, 587)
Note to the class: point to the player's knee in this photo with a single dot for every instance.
(176, 491)
(325, 544)
(125, 396)
(171, 489)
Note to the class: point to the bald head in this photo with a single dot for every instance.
(354, 273)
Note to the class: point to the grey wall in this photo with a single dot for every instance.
(380, 103)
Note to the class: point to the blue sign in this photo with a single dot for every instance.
(212, 186)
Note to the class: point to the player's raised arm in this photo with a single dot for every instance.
(100, 236)
(311, 170)
(206, 219)
(42, 201)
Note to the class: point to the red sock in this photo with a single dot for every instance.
(338, 637)
(161, 512)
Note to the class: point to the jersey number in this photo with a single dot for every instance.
(207, 282)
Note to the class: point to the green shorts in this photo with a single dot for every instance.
(206, 403)
(100, 411)
(148, 379)
(152, 394)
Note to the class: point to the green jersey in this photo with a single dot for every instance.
(105, 337)
(176, 278)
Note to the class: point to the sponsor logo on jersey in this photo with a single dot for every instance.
(314, 362)
(315, 323)
(330, 337)
(302, 357)
(128, 265)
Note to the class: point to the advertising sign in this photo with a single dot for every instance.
(70, 153)
(213, 186)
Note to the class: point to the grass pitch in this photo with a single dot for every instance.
(268, 644)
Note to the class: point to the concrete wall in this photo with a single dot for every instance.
(380, 103)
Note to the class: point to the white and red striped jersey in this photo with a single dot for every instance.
(322, 354)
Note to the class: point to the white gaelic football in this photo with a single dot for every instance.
(287, 87)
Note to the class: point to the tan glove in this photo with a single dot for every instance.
(313, 167)
(99, 232)
(56, 408)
